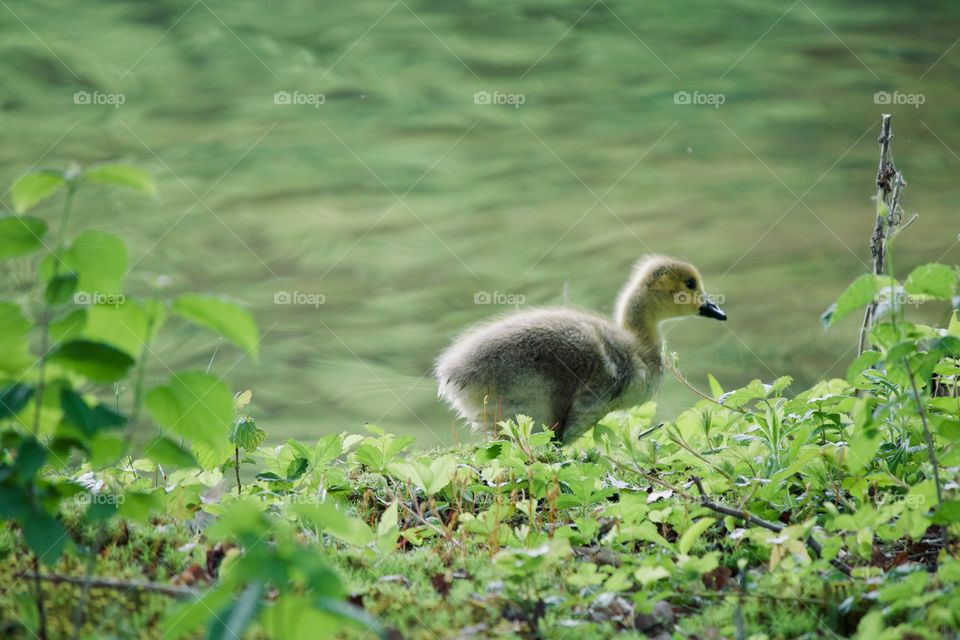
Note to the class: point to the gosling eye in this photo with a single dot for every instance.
(690, 283)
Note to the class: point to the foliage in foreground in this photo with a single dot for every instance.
(831, 511)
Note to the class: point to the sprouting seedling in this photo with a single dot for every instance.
(246, 434)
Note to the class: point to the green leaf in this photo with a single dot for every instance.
(223, 318)
(140, 506)
(76, 411)
(166, 452)
(247, 434)
(232, 621)
(935, 280)
(95, 360)
(33, 188)
(947, 513)
(296, 468)
(13, 398)
(431, 477)
(20, 235)
(45, 536)
(859, 294)
(122, 325)
(122, 175)
(336, 523)
(691, 535)
(60, 289)
(99, 260)
(14, 357)
(198, 406)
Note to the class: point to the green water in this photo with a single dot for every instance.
(399, 198)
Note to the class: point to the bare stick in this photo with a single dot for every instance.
(118, 585)
(766, 524)
(889, 183)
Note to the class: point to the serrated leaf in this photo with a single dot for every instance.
(33, 188)
(94, 360)
(242, 399)
(122, 175)
(20, 235)
(247, 434)
(224, 318)
(935, 280)
(860, 293)
(296, 468)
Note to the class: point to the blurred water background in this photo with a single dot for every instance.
(386, 164)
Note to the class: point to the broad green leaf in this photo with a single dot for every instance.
(122, 325)
(297, 467)
(13, 398)
(166, 452)
(95, 360)
(141, 506)
(224, 318)
(198, 406)
(90, 420)
(693, 533)
(20, 235)
(122, 175)
(69, 326)
(14, 357)
(860, 293)
(331, 520)
(935, 280)
(99, 260)
(232, 621)
(247, 434)
(60, 289)
(45, 536)
(947, 513)
(33, 188)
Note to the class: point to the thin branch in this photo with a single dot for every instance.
(119, 585)
(683, 380)
(760, 522)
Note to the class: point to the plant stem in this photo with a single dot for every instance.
(46, 313)
(41, 609)
(931, 452)
(139, 382)
(236, 459)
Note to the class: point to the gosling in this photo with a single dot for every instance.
(566, 368)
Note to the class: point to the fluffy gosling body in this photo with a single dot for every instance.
(567, 368)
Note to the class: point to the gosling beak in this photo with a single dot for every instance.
(710, 310)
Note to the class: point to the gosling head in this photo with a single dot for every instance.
(662, 288)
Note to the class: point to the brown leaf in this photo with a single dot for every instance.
(718, 578)
(442, 583)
